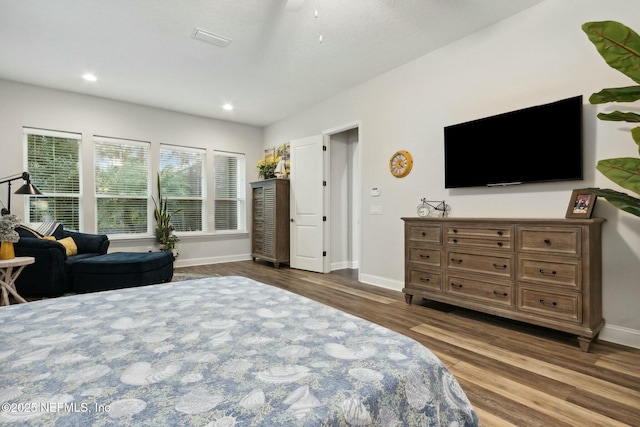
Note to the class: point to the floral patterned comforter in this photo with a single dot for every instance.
(218, 351)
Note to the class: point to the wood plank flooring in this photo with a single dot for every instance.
(514, 374)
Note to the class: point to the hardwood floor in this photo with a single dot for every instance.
(514, 374)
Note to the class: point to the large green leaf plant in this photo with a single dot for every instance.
(619, 46)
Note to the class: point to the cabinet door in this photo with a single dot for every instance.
(269, 240)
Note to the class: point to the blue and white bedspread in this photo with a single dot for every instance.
(219, 351)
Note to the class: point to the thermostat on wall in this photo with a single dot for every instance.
(375, 191)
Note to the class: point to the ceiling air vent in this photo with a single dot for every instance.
(208, 37)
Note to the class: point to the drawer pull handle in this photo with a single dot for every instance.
(455, 240)
(499, 244)
(424, 234)
(500, 233)
(548, 304)
(500, 294)
(456, 261)
(547, 272)
(454, 231)
(547, 242)
(425, 256)
(500, 267)
(425, 279)
(455, 285)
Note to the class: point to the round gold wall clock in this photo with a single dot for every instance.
(400, 164)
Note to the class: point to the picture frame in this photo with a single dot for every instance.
(581, 204)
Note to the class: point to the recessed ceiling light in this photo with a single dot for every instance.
(89, 77)
(227, 107)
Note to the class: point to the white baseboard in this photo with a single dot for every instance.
(383, 282)
(191, 262)
(620, 335)
(342, 265)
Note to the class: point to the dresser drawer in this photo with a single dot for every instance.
(483, 236)
(426, 233)
(555, 305)
(424, 279)
(559, 272)
(481, 231)
(496, 265)
(549, 240)
(489, 292)
(425, 256)
(480, 242)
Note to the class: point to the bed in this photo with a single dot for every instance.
(216, 351)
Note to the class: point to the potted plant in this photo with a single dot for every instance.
(8, 235)
(619, 46)
(164, 228)
(266, 169)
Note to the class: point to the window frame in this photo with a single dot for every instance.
(79, 195)
(98, 139)
(203, 186)
(242, 191)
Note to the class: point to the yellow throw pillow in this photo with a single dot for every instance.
(69, 245)
(49, 237)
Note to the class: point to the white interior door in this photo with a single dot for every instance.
(307, 204)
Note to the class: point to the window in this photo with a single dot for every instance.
(53, 161)
(183, 185)
(229, 191)
(122, 185)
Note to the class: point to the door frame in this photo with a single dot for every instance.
(357, 191)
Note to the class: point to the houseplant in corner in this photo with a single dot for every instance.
(164, 228)
(8, 236)
(619, 46)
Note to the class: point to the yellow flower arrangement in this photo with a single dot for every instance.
(266, 169)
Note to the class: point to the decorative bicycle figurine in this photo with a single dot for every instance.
(433, 208)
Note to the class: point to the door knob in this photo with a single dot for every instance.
(292, 220)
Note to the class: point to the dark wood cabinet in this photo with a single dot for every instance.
(541, 271)
(270, 226)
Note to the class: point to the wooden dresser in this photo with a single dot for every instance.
(270, 227)
(541, 271)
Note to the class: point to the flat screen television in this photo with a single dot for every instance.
(536, 144)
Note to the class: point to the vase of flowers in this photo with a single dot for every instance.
(8, 236)
(266, 169)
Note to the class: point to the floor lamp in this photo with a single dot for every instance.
(27, 188)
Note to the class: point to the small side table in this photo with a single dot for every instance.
(8, 275)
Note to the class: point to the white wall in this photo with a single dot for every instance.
(535, 57)
(32, 106)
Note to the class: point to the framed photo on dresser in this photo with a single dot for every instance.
(581, 204)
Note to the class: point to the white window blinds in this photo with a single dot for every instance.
(53, 161)
(229, 191)
(122, 178)
(182, 178)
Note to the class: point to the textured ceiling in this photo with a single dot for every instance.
(142, 51)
